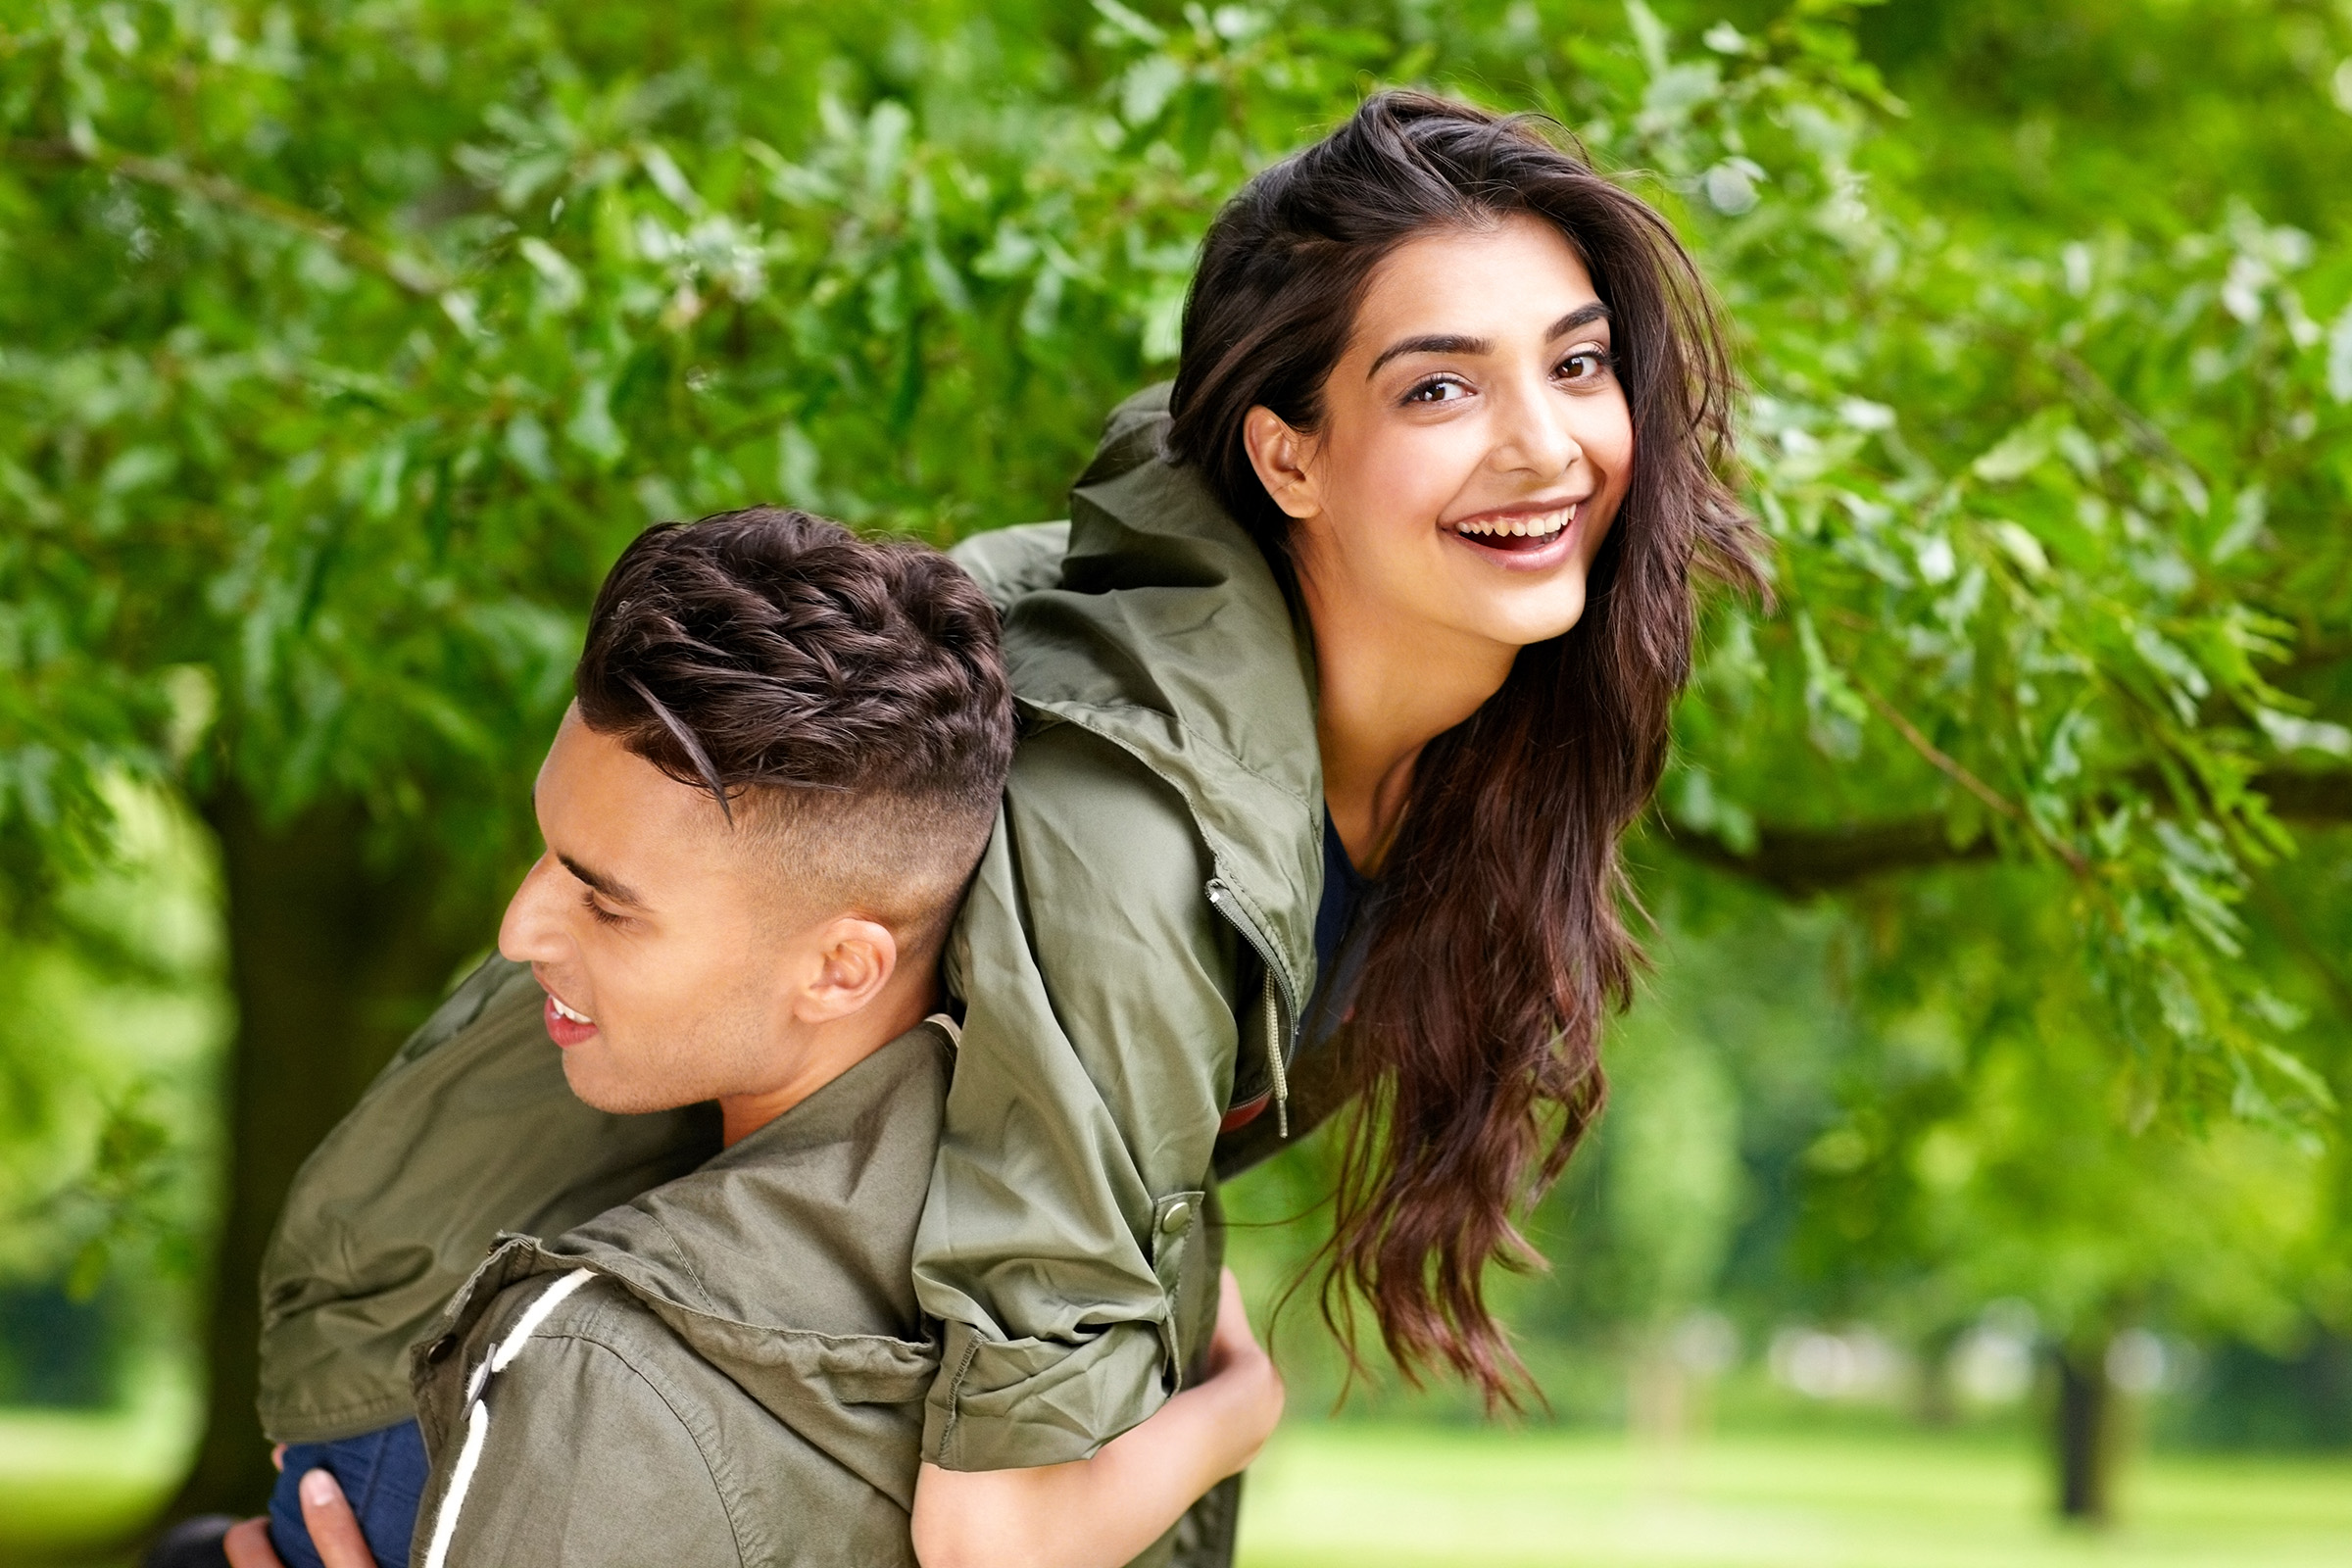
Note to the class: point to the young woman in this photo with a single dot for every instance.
(1377, 624)
(1351, 666)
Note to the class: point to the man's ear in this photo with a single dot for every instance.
(855, 959)
(1282, 458)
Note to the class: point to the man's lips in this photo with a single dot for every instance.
(566, 1025)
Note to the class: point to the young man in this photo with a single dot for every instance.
(783, 763)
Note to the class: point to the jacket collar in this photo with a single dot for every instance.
(806, 1221)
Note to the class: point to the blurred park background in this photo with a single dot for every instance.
(1976, 1159)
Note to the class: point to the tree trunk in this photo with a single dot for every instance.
(1937, 1404)
(2084, 1430)
(332, 962)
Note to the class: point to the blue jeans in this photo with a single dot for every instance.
(381, 1472)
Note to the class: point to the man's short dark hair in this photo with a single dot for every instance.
(847, 692)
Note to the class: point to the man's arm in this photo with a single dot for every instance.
(1105, 1510)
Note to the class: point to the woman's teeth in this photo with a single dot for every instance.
(562, 1011)
(1538, 525)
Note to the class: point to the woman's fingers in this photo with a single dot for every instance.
(247, 1545)
(1243, 1375)
(1230, 1337)
(334, 1528)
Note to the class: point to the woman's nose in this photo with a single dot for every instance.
(1537, 437)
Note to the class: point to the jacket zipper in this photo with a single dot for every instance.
(1282, 1008)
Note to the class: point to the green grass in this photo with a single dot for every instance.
(1421, 1496)
(74, 1484)
(1407, 1497)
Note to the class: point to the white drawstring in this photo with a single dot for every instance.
(477, 1427)
(477, 1414)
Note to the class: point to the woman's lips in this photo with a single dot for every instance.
(565, 1026)
(1521, 541)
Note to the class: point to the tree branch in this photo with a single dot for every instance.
(1800, 861)
(404, 272)
(1950, 767)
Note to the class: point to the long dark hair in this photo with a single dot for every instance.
(1473, 1049)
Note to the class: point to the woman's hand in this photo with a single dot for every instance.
(1104, 1511)
(1241, 1374)
(334, 1530)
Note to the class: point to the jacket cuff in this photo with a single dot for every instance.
(1002, 1404)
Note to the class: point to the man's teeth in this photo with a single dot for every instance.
(1541, 525)
(562, 1011)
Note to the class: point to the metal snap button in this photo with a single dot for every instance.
(1178, 1219)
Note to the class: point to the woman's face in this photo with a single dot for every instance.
(1474, 448)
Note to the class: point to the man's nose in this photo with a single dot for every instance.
(531, 932)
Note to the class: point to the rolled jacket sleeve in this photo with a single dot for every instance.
(1098, 1051)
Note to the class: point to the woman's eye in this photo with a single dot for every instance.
(1438, 389)
(1586, 365)
(604, 916)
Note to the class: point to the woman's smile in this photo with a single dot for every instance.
(1530, 536)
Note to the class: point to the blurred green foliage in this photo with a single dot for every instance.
(342, 347)
(107, 1111)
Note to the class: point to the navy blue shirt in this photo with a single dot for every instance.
(1339, 947)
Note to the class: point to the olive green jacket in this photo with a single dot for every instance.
(1131, 959)
(729, 1368)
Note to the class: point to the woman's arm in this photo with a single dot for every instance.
(1063, 1246)
(1104, 1511)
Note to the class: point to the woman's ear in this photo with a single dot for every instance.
(1282, 457)
(858, 957)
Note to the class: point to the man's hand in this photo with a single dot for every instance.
(334, 1530)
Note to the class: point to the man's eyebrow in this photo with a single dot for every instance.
(617, 892)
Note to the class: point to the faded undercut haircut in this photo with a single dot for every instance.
(843, 697)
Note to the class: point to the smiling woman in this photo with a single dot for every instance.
(1473, 400)
(1467, 401)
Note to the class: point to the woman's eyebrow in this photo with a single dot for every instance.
(1434, 343)
(1584, 315)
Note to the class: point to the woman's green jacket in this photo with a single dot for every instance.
(1131, 959)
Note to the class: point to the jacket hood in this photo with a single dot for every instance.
(1169, 635)
(782, 1261)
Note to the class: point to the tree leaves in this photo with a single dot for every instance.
(345, 355)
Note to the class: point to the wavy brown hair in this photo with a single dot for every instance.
(1472, 1054)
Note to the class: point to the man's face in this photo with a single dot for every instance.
(673, 957)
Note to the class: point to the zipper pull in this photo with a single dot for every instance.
(1274, 1061)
